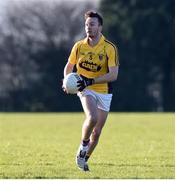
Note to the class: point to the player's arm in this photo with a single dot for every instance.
(109, 77)
(68, 68)
(71, 61)
(113, 66)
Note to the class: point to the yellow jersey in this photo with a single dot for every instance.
(93, 62)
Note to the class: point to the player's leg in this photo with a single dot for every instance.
(90, 109)
(94, 138)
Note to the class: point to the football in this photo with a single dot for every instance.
(70, 83)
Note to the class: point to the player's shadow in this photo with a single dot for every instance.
(105, 164)
(123, 165)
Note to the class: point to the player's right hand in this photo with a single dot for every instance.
(63, 88)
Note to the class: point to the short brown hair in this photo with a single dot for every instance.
(94, 14)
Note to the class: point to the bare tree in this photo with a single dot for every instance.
(30, 29)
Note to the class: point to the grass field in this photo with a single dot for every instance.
(140, 145)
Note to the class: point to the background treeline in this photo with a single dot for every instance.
(36, 38)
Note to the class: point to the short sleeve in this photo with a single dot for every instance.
(113, 57)
(73, 55)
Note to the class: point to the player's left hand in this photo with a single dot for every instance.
(82, 84)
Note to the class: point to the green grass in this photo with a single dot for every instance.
(132, 145)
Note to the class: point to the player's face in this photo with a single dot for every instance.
(92, 27)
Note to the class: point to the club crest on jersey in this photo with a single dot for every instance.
(100, 57)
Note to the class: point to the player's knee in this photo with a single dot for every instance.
(92, 118)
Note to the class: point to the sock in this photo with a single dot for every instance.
(85, 142)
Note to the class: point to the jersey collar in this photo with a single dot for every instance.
(100, 41)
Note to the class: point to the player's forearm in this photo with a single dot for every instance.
(68, 69)
(109, 77)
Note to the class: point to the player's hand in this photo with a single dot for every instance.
(82, 84)
(63, 88)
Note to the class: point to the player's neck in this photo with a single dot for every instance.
(93, 41)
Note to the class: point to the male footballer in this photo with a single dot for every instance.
(96, 61)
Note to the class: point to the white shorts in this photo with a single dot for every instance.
(103, 100)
